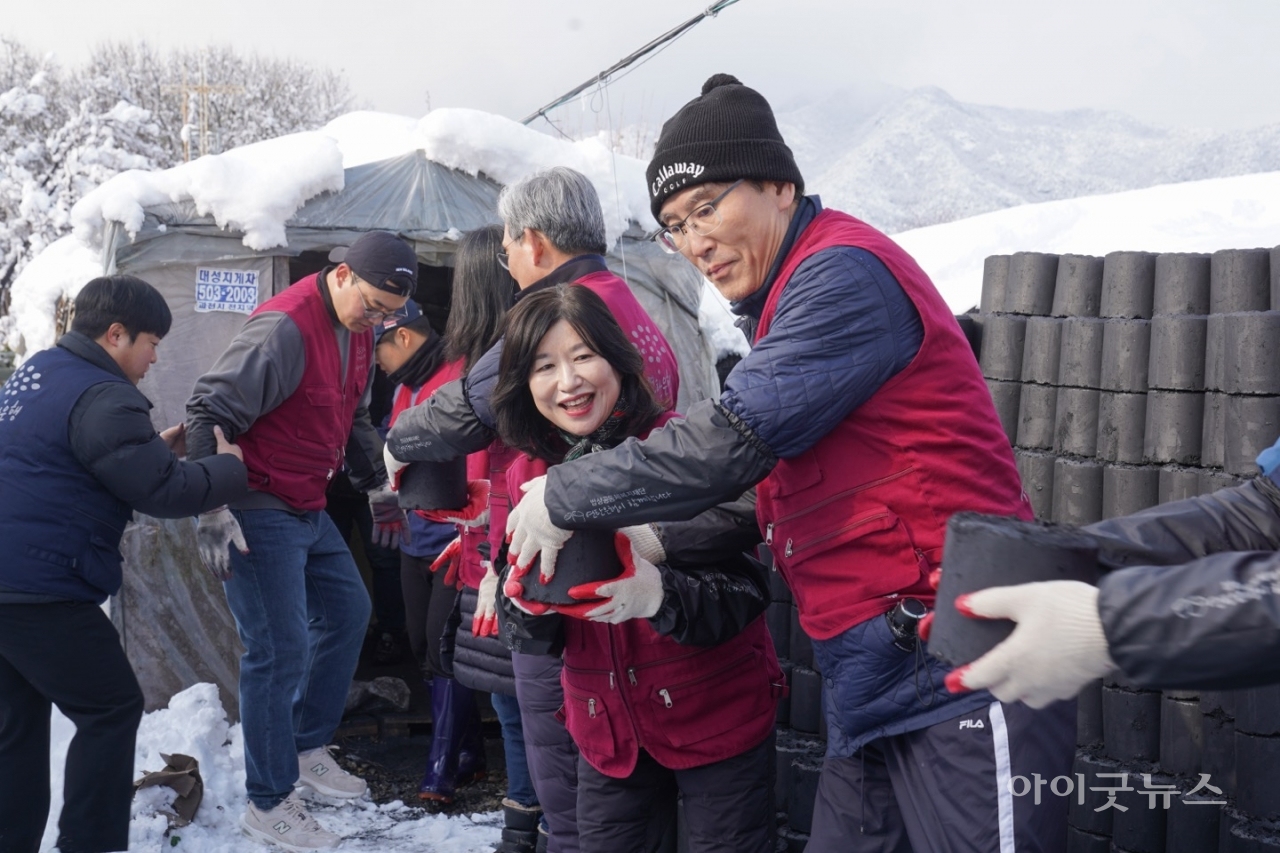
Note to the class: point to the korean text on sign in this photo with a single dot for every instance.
(226, 290)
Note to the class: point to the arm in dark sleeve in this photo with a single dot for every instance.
(112, 436)
(1241, 518)
(712, 589)
(1193, 599)
(260, 369)
(726, 528)
(364, 446)
(683, 468)
(441, 428)
(1212, 623)
(710, 605)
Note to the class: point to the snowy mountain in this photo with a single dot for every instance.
(907, 159)
(1242, 212)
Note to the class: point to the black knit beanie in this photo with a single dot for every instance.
(726, 133)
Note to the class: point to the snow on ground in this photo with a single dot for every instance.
(195, 724)
(1200, 216)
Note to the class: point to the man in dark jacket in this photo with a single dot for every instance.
(78, 455)
(1191, 601)
(862, 415)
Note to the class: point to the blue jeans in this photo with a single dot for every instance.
(302, 609)
(519, 783)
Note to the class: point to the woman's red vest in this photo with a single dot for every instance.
(294, 450)
(858, 520)
(627, 687)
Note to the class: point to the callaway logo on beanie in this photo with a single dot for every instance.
(726, 133)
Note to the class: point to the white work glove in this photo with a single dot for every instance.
(394, 467)
(1057, 648)
(644, 538)
(390, 526)
(530, 531)
(635, 594)
(485, 621)
(216, 531)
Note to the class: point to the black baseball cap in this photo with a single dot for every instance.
(382, 259)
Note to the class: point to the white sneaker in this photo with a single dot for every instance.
(288, 825)
(318, 771)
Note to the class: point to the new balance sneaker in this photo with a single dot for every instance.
(288, 825)
(318, 771)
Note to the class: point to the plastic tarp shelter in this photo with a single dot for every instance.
(171, 613)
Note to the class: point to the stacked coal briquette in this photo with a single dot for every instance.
(802, 728)
(1123, 382)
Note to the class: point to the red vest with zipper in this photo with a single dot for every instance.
(627, 687)
(294, 450)
(859, 519)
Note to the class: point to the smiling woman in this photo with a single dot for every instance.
(569, 375)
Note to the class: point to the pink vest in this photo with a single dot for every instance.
(627, 687)
(859, 519)
(294, 450)
(659, 360)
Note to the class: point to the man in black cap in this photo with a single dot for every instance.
(293, 390)
(863, 420)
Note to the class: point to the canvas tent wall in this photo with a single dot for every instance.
(172, 615)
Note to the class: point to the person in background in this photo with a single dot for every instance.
(78, 455)
(671, 681)
(411, 353)
(553, 233)
(482, 293)
(861, 416)
(1188, 601)
(293, 389)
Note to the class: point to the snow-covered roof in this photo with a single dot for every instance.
(257, 188)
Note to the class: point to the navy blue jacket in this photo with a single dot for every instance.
(78, 454)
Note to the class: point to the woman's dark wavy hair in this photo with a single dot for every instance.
(482, 293)
(520, 424)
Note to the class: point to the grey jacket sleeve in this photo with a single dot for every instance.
(683, 468)
(442, 428)
(1199, 602)
(261, 368)
(112, 436)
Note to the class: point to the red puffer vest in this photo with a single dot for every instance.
(294, 450)
(627, 687)
(859, 519)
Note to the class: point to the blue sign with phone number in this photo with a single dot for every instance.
(226, 290)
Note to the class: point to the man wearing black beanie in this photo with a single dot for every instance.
(864, 422)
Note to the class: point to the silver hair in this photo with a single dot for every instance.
(559, 202)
